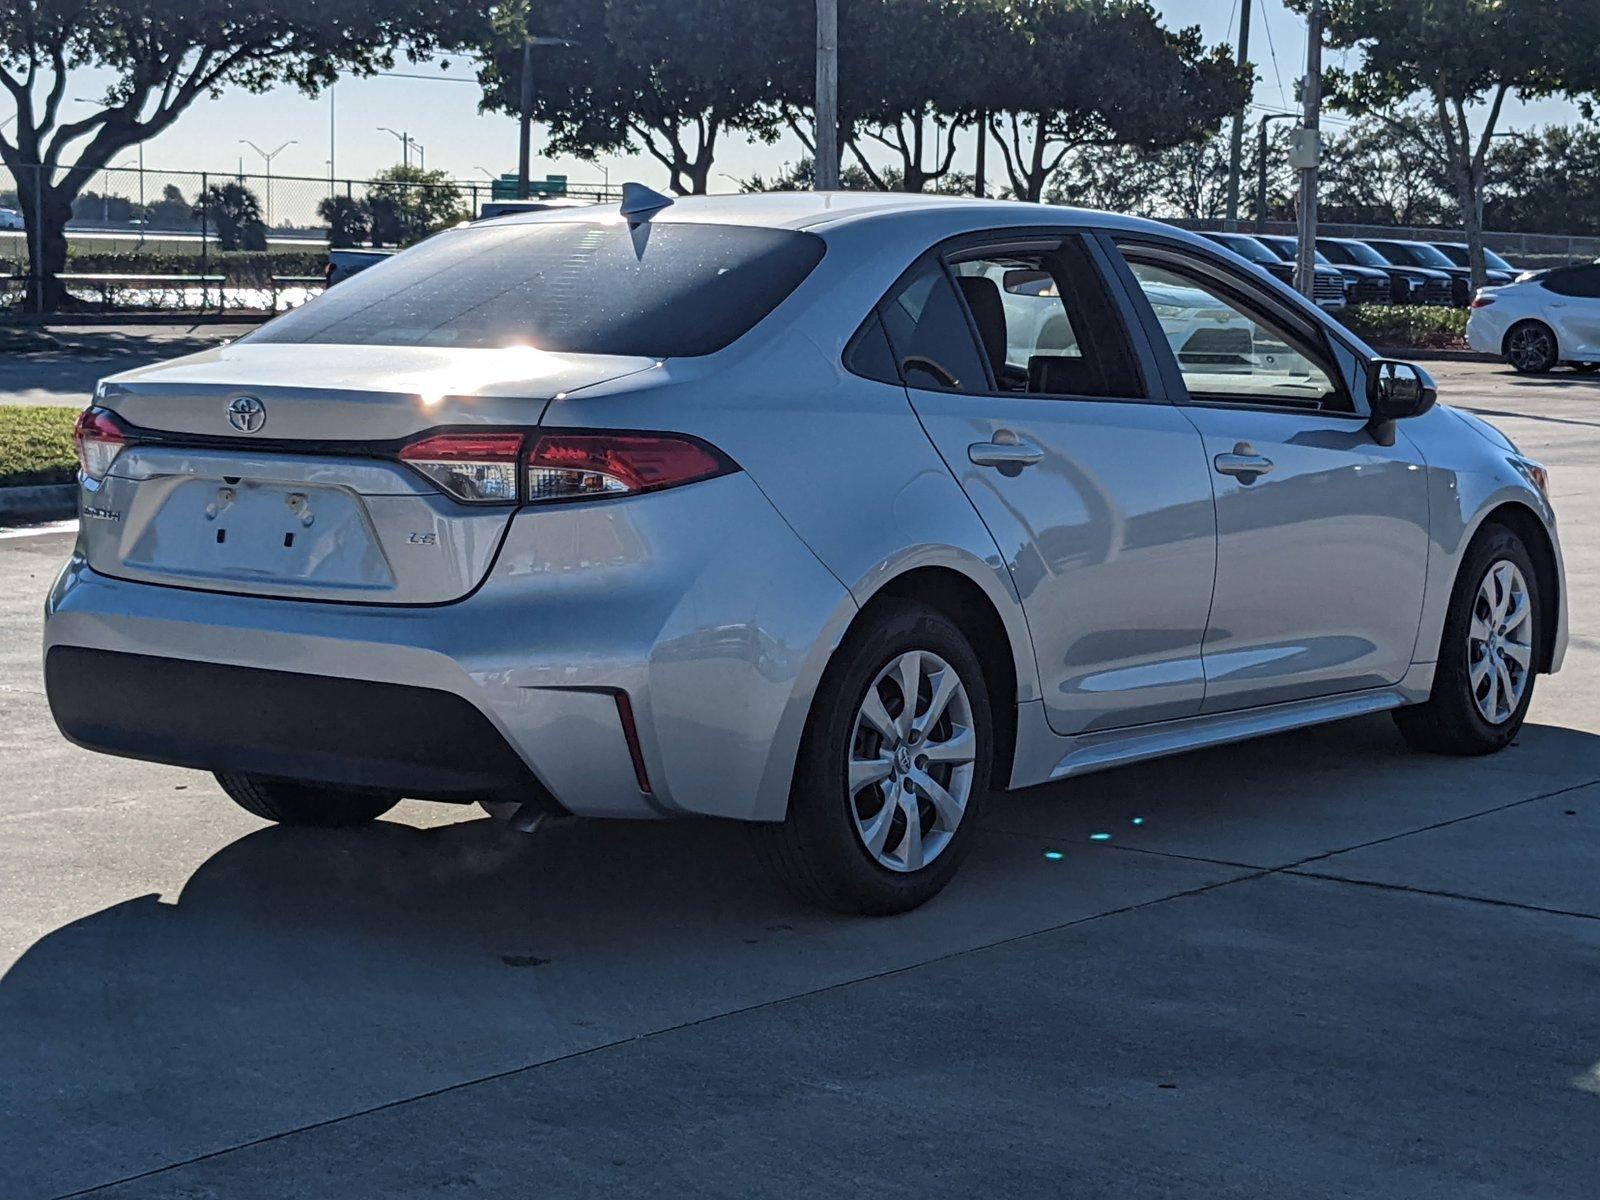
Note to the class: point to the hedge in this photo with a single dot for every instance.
(243, 268)
(1407, 325)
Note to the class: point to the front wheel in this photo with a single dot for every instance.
(1531, 348)
(290, 803)
(1488, 656)
(893, 765)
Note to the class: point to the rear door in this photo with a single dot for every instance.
(1574, 309)
(1017, 360)
(1322, 531)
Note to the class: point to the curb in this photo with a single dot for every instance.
(45, 502)
(1429, 354)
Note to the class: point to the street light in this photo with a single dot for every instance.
(1261, 169)
(405, 143)
(269, 155)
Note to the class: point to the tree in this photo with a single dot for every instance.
(1378, 173)
(233, 213)
(172, 211)
(348, 221)
(1084, 73)
(162, 56)
(1467, 57)
(1547, 181)
(404, 204)
(909, 101)
(666, 77)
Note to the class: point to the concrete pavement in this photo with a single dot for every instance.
(1318, 965)
(87, 353)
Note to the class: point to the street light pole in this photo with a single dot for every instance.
(1261, 169)
(827, 102)
(268, 156)
(1305, 272)
(1236, 143)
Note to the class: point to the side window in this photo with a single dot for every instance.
(869, 353)
(1046, 323)
(1228, 350)
(1575, 281)
(928, 330)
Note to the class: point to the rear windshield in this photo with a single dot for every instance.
(659, 291)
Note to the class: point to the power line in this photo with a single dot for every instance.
(1282, 95)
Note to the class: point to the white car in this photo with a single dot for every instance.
(1537, 323)
(10, 218)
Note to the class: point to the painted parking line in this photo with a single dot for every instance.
(26, 531)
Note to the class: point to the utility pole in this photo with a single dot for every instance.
(525, 119)
(268, 155)
(1236, 145)
(827, 156)
(1308, 151)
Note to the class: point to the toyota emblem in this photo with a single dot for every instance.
(247, 414)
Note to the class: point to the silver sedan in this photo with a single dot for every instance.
(826, 513)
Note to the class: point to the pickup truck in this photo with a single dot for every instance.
(342, 264)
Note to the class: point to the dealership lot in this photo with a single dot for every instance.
(1317, 965)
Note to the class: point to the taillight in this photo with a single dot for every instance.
(99, 439)
(480, 468)
(568, 466)
(1481, 301)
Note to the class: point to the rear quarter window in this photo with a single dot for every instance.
(655, 290)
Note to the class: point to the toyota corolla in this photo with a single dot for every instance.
(824, 513)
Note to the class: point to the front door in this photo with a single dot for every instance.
(1322, 531)
(1020, 368)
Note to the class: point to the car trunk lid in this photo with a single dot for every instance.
(274, 470)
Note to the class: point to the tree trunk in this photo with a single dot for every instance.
(45, 213)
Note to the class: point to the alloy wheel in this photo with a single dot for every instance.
(910, 768)
(1531, 348)
(1500, 642)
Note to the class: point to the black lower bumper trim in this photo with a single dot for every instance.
(410, 741)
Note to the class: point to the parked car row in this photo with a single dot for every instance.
(1374, 270)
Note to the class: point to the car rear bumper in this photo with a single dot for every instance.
(698, 605)
(345, 732)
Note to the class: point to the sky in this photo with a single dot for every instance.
(440, 112)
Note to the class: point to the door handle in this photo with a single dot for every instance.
(1244, 463)
(1007, 450)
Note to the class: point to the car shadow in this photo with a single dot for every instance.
(303, 975)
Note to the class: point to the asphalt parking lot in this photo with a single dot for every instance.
(1313, 966)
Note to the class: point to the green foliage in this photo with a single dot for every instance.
(1464, 59)
(405, 204)
(1546, 181)
(241, 268)
(36, 445)
(233, 213)
(349, 223)
(1404, 326)
(668, 77)
(158, 57)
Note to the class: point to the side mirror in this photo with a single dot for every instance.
(1397, 390)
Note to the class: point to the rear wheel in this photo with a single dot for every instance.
(1488, 656)
(1531, 348)
(893, 765)
(304, 803)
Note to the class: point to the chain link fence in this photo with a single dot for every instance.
(141, 239)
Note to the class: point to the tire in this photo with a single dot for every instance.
(854, 853)
(290, 803)
(1453, 721)
(1531, 349)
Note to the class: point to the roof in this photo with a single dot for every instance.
(814, 210)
